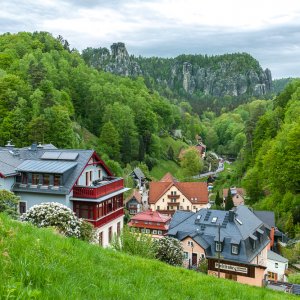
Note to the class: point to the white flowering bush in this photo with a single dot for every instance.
(59, 216)
(169, 250)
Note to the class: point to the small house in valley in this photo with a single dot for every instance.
(134, 203)
(168, 195)
(151, 222)
(238, 195)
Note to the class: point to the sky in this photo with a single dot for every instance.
(269, 30)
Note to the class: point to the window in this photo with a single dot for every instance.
(56, 180)
(22, 207)
(118, 228)
(183, 200)
(110, 234)
(91, 176)
(147, 230)
(190, 243)
(143, 230)
(99, 174)
(154, 231)
(35, 178)
(101, 238)
(171, 207)
(187, 208)
(186, 255)
(157, 208)
(163, 200)
(218, 247)
(276, 265)
(195, 207)
(87, 182)
(234, 249)
(202, 255)
(24, 178)
(46, 179)
(159, 232)
(181, 207)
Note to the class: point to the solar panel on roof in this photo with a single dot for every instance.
(51, 155)
(68, 155)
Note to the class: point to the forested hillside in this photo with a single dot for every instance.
(271, 159)
(207, 82)
(48, 94)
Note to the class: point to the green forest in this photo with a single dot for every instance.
(49, 94)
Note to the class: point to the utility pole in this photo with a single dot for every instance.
(219, 238)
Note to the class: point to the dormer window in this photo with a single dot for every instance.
(234, 249)
(218, 247)
(35, 179)
(46, 179)
(56, 181)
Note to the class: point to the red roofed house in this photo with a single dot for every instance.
(238, 195)
(168, 195)
(151, 222)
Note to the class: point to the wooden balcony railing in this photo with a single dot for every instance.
(108, 218)
(173, 196)
(102, 189)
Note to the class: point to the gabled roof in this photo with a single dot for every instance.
(152, 216)
(202, 226)
(196, 192)
(268, 217)
(274, 256)
(139, 173)
(234, 191)
(168, 177)
(135, 194)
(30, 161)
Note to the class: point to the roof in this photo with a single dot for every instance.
(234, 191)
(45, 166)
(168, 177)
(268, 217)
(150, 215)
(12, 159)
(202, 226)
(136, 195)
(8, 163)
(274, 256)
(196, 192)
(139, 173)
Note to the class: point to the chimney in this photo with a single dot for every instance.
(231, 216)
(9, 145)
(40, 146)
(33, 147)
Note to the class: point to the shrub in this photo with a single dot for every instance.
(9, 203)
(132, 242)
(169, 250)
(59, 216)
(203, 266)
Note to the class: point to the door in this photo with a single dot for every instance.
(194, 259)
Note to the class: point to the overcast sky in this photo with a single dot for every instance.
(267, 29)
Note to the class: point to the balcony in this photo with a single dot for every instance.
(99, 189)
(108, 218)
(173, 196)
(173, 203)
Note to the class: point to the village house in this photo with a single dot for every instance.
(151, 222)
(235, 243)
(78, 179)
(134, 202)
(139, 177)
(277, 266)
(168, 195)
(238, 195)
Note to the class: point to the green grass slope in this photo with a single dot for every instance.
(39, 264)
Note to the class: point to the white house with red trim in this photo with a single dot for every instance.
(78, 179)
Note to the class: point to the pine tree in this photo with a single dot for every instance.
(229, 202)
(218, 200)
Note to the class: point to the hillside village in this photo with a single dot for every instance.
(238, 244)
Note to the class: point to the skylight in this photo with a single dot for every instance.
(214, 219)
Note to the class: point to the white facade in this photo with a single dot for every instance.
(277, 267)
(91, 173)
(6, 183)
(105, 230)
